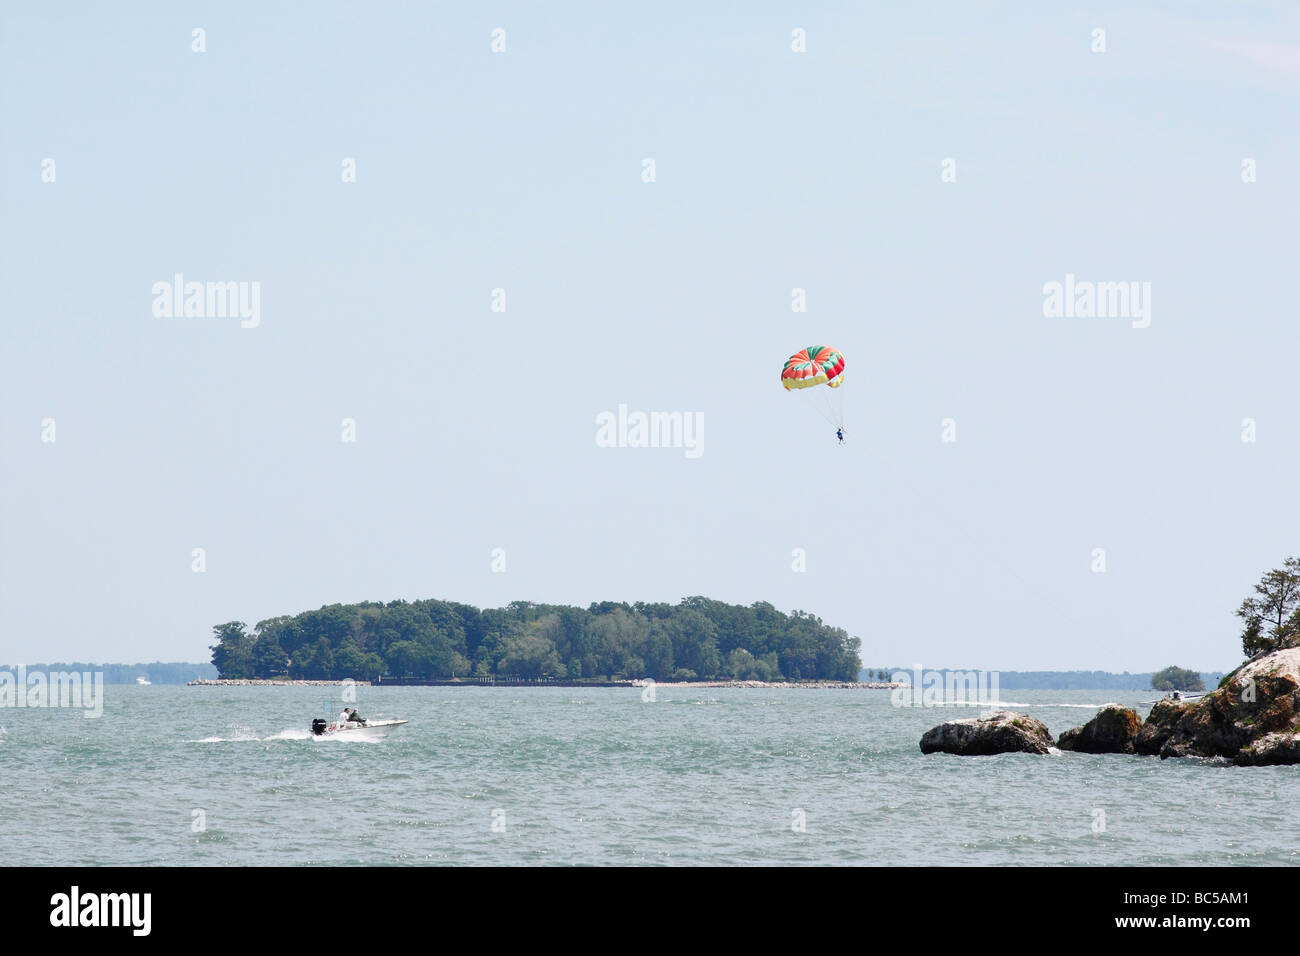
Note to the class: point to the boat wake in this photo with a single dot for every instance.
(1088, 706)
(293, 733)
(308, 735)
(290, 734)
(236, 735)
(997, 704)
(990, 704)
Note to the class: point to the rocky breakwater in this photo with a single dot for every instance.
(1252, 719)
(1002, 732)
(1113, 731)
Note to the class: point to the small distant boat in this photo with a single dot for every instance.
(1177, 695)
(364, 730)
(142, 682)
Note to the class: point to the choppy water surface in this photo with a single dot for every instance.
(599, 776)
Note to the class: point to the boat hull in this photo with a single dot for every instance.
(371, 730)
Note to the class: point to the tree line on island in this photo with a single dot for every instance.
(157, 672)
(1171, 678)
(698, 638)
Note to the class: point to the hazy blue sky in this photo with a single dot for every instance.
(775, 170)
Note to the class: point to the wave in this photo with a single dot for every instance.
(1089, 706)
(295, 734)
(982, 703)
(994, 704)
(238, 734)
(291, 734)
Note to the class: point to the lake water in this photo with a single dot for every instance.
(217, 776)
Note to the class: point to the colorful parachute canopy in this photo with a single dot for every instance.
(815, 365)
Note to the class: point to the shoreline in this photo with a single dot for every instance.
(514, 684)
(806, 685)
(268, 682)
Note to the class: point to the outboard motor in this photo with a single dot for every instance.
(318, 726)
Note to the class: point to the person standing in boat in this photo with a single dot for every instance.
(343, 719)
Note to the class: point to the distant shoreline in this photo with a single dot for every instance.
(806, 684)
(266, 682)
(513, 684)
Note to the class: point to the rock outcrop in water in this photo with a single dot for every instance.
(1002, 732)
(1253, 719)
(1113, 731)
(1270, 749)
(1159, 726)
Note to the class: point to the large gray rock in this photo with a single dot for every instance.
(998, 733)
(1269, 749)
(1112, 731)
(1252, 719)
(1159, 726)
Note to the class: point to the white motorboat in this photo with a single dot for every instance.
(1178, 696)
(362, 730)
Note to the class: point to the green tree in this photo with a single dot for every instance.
(349, 662)
(658, 655)
(231, 654)
(1176, 678)
(742, 665)
(1272, 614)
(410, 659)
(620, 636)
(268, 658)
(695, 642)
(287, 632)
(302, 662)
(528, 654)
